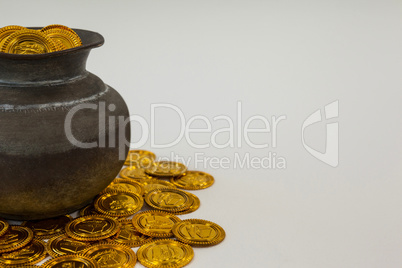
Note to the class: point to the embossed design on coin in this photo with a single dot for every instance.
(170, 200)
(15, 238)
(197, 232)
(165, 253)
(155, 223)
(150, 185)
(7, 31)
(66, 38)
(71, 261)
(126, 185)
(28, 42)
(166, 169)
(63, 245)
(112, 255)
(193, 180)
(134, 173)
(32, 253)
(92, 228)
(119, 203)
(129, 236)
(48, 228)
(90, 210)
(193, 207)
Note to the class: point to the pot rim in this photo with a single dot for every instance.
(89, 40)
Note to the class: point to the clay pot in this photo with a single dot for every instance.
(49, 167)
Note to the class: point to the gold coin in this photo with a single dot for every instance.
(129, 236)
(139, 158)
(193, 207)
(66, 38)
(150, 185)
(197, 232)
(22, 266)
(28, 42)
(57, 26)
(48, 228)
(8, 30)
(90, 210)
(92, 228)
(193, 180)
(126, 185)
(3, 226)
(166, 169)
(15, 238)
(60, 44)
(71, 261)
(170, 200)
(119, 203)
(30, 254)
(64, 245)
(134, 173)
(155, 223)
(165, 253)
(112, 255)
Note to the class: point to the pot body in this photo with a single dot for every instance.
(64, 134)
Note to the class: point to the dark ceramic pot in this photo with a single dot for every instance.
(49, 167)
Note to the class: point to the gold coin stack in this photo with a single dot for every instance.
(138, 209)
(20, 40)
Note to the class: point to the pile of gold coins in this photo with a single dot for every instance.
(138, 209)
(20, 40)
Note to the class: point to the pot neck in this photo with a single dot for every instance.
(56, 69)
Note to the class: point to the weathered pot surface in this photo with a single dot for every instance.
(49, 167)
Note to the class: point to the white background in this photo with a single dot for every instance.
(277, 58)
